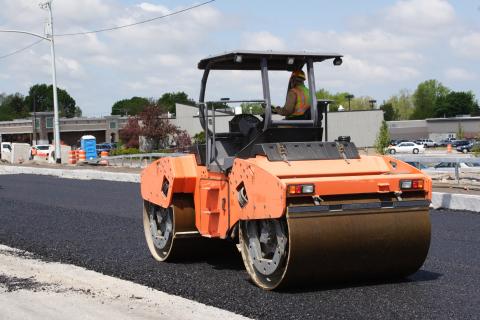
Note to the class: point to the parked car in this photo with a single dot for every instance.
(445, 142)
(105, 147)
(427, 143)
(417, 165)
(468, 147)
(458, 143)
(394, 142)
(450, 167)
(406, 147)
(40, 150)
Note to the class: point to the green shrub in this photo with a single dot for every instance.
(476, 150)
(119, 152)
(383, 138)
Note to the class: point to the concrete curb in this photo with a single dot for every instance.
(83, 174)
(455, 201)
(440, 200)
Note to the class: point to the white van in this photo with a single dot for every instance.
(5, 150)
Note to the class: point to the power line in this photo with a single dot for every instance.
(20, 50)
(135, 23)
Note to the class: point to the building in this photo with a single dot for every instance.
(435, 128)
(361, 126)
(105, 129)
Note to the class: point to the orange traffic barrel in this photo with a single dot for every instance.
(72, 159)
(103, 156)
(82, 156)
(449, 148)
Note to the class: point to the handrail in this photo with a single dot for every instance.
(133, 160)
(441, 158)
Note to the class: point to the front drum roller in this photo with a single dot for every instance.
(165, 227)
(310, 247)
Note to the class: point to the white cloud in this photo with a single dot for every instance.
(262, 40)
(459, 74)
(152, 58)
(370, 41)
(420, 16)
(393, 48)
(360, 70)
(467, 45)
(149, 7)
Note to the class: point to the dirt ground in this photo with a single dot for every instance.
(33, 289)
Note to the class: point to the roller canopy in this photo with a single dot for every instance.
(250, 60)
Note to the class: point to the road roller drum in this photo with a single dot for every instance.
(324, 248)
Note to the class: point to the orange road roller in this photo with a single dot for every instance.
(302, 209)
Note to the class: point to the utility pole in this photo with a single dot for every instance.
(35, 119)
(49, 37)
(56, 122)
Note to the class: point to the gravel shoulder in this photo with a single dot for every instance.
(34, 289)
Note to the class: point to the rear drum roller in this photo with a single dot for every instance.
(264, 249)
(307, 248)
(163, 226)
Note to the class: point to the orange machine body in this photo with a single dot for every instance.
(215, 194)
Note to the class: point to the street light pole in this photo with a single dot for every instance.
(49, 37)
(56, 122)
(349, 97)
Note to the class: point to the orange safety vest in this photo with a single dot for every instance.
(303, 97)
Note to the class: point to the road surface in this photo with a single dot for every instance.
(97, 225)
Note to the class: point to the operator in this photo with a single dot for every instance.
(297, 104)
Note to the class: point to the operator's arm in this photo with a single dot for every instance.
(290, 103)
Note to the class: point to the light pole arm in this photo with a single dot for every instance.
(27, 32)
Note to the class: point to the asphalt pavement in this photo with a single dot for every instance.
(97, 225)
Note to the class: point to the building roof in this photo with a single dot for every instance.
(250, 60)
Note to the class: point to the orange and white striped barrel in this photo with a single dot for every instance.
(103, 155)
(82, 156)
(72, 159)
(449, 148)
(76, 154)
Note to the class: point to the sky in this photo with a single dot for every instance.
(388, 46)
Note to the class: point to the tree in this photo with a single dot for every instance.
(389, 112)
(361, 103)
(155, 126)
(129, 135)
(40, 98)
(78, 112)
(339, 98)
(131, 107)
(182, 140)
(252, 108)
(199, 138)
(476, 110)
(426, 97)
(402, 103)
(455, 103)
(169, 99)
(383, 138)
(13, 107)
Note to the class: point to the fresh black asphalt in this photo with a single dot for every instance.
(98, 225)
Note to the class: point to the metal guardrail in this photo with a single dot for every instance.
(134, 160)
(437, 158)
(441, 158)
